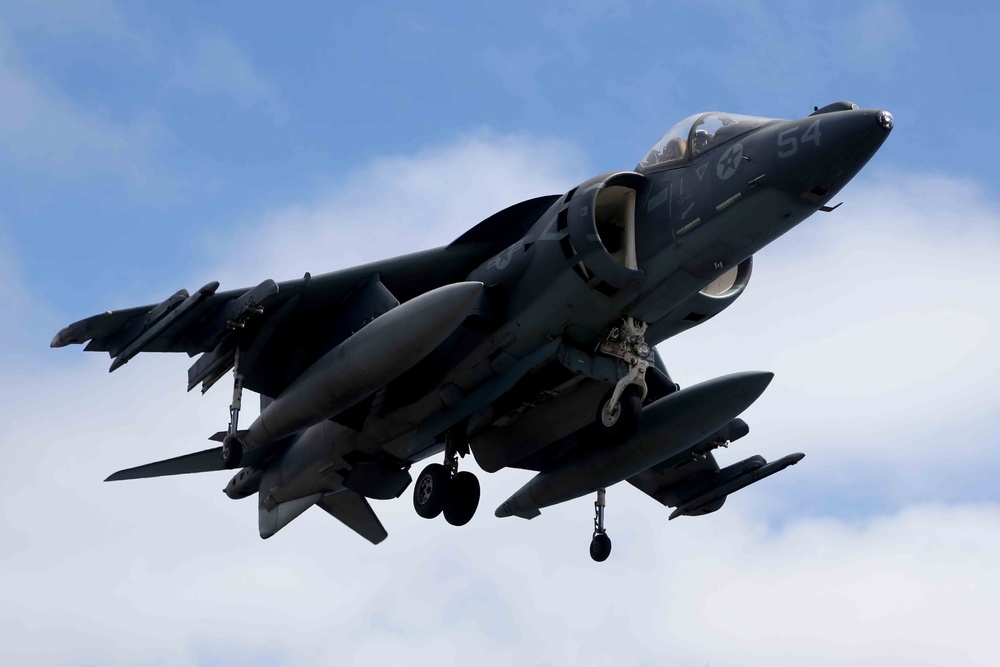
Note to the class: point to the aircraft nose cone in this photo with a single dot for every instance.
(816, 156)
(885, 120)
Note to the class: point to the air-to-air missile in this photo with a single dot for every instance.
(379, 352)
(669, 426)
(733, 478)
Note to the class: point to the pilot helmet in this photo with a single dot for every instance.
(701, 139)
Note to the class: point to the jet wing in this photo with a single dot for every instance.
(204, 461)
(281, 328)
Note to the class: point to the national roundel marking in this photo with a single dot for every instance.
(729, 162)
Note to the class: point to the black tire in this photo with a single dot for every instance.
(464, 499)
(600, 547)
(432, 491)
(615, 428)
(232, 452)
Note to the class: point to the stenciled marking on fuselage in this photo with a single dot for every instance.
(687, 210)
(700, 171)
(729, 162)
(729, 202)
(657, 199)
(501, 261)
(547, 233)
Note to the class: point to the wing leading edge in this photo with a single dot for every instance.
(280, 325)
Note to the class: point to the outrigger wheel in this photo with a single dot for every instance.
(232, 448)
(232, 452)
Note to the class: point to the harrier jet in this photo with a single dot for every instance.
(529, 341)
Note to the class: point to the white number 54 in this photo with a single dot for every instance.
(789, 145)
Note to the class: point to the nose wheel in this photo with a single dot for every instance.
(600, 544)
(618, 416)
(443, 489)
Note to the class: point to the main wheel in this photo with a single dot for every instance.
(464, 499)
(620, 424)
(432, 491)
(232, 451)
(600, 547)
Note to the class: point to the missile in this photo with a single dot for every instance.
(669, 426)
(754, 470)
(381, 351)
(163, 318)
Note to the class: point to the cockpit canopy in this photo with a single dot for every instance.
(696, 134)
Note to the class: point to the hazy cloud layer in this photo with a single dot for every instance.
(873, 318)
(399, 204)
(220, 66)
(38, 127)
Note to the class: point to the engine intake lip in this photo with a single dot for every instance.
(740, 279)
(586, 240)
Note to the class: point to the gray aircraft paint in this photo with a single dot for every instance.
(552, 281)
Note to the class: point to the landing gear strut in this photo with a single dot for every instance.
(442, 488)
(232, 449)
(600, 545)
(620, 410)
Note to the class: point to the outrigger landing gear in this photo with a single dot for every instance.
(620, 410)
(442, 488)
(232, 449)
(600, 545)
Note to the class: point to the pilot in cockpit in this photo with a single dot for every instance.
(700, 141)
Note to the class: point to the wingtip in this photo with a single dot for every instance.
(61, 339)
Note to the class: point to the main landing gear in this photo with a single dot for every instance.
(443, 489)
(620, 410)
(600, 545)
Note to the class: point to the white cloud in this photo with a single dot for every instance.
(171, 571)
(220, 66)
(399, 204)
(39, 127)
(882, 327)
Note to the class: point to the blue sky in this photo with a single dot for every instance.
(148, 147)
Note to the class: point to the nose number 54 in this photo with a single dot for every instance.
(788, 143)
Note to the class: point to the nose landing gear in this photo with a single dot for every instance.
(600, 544)
(442, 488)
(620, 410)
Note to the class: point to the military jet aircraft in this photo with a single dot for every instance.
(529, 341)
